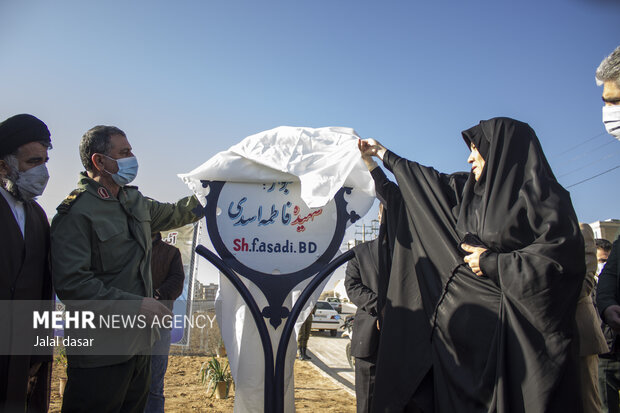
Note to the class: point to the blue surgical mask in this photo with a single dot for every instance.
(127, 170)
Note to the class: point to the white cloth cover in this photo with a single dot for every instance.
(323, 160)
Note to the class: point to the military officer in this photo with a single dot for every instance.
(101, 253)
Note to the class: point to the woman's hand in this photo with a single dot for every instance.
(473, 259)
(370, 147)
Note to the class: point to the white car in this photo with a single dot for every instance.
(326, 318)
(335, 303)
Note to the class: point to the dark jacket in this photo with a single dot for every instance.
(607, 292)
(362, 283)
(24, 275)
(591, 338)
(167, 272)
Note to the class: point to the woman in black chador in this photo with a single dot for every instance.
(486, 270)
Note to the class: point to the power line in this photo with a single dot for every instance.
(583, 154)
(611, 155)
(581, 143)
(591, 150)
(592, 177)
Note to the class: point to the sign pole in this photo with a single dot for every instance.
(274, 378)
(265, 233)
(290, 324)
(258, 319)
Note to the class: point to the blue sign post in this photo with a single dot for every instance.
(283, 234)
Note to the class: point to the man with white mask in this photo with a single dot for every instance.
(24, 255)
(101, 254)
(608, 291)
(608, 75)
(603, 248)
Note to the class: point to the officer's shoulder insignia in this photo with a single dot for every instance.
(131, 187)
(67, 203)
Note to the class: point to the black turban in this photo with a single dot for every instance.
(20, 130)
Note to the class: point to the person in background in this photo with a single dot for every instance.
(591, 339)
(608, 305)
(363, 279)
(168, 277)
(608, 364)
(608, 76)
(101, 253)
(603, 248)
(607, 293)
(24, 255)
(303, 337)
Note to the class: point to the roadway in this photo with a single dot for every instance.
(329, 355)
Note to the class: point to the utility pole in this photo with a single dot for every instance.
(365, 232)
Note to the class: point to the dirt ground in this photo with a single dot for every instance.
(184, 392)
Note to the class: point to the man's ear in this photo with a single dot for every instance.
(97, 161)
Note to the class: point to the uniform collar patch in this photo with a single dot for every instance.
(103, 193)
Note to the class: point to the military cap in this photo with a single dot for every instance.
(19, 130)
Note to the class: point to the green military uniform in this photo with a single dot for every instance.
(101, 250)
(304, 335)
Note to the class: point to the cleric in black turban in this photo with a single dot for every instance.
(19, 130)
(25, 273)
(485, 327)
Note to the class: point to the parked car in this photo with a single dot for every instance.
(326, 318)
(348, 308)
(335, 303)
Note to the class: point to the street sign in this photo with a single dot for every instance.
(265, 232)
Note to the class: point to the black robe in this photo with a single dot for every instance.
(24, 275)
(501, 342)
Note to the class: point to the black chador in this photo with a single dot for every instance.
(502, 342)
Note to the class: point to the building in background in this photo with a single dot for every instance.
(204, 292)
(607, 229)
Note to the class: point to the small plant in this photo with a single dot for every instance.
(220, 351)
(61, 356)
(212, 373)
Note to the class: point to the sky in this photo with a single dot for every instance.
(187, 79)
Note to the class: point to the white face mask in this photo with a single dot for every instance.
(599, 268)
(611, 120)
(32, 182)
